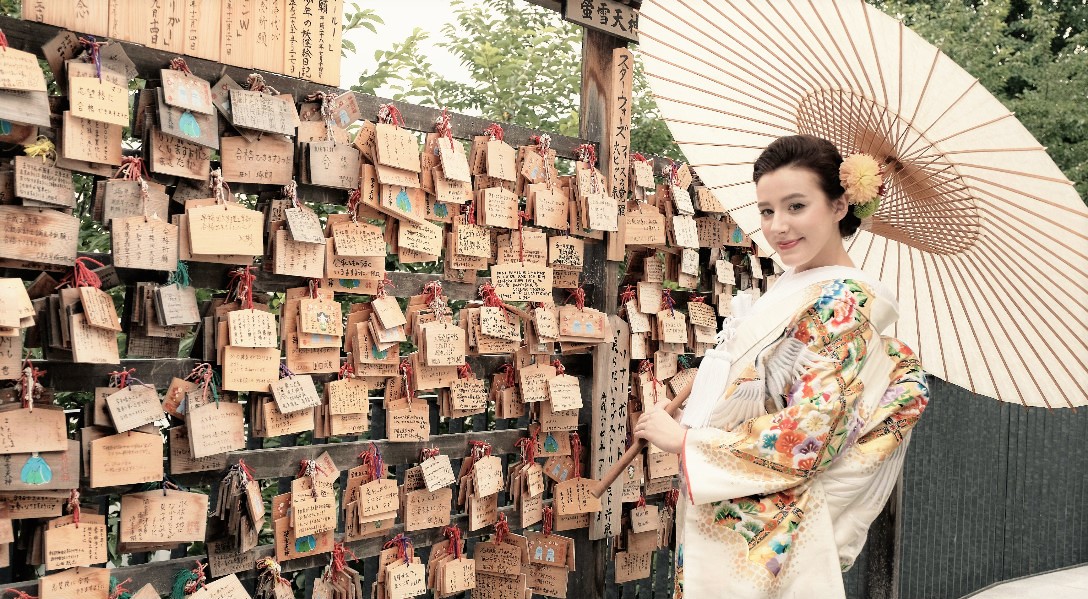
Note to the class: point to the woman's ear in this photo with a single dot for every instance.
(839, 206)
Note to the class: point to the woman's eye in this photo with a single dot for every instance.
(765, 212)
(796, 206)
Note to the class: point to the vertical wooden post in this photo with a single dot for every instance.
(593, 117)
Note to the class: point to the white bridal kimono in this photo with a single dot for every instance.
(791, 456)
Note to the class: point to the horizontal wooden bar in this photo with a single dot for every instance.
(78, 376)
(283, 461)
(29, 36)
(205, 275)
(161, 574)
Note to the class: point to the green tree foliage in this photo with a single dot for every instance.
(524, 65)
(1031, 54)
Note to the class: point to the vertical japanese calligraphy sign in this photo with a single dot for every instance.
(618, 154)
(611, 379)
(609, 16)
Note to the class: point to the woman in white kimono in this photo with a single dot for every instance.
(797, 424)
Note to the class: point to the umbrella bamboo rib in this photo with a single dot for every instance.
(818, 66)
(835, 43)
(728, 87)
(854, 47)
(787, 89)
(1033, 306)
(722, 127)
(1025, 208)
(718, 110)
(1007, 298)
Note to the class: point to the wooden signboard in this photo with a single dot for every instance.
(38, 236)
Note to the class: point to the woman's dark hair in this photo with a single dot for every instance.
(816, 155)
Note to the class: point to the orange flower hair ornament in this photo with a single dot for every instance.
(863, 179)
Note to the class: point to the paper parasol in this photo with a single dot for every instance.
(981, 236)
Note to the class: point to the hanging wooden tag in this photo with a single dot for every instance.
(321, 317)
(702, 315)
(450, 191)
(186, 91)
(144, 243)
(36, 179)
(194, 127)
(425, 509)
(358, 239)
(588, 324)
(684, 232)
(126, 458)
(92, 344)
(482, 511)
(422, 237)
(33, 430)
(564, 392)
(487, 476)
(226, 229)
(498, 208)
(98, 308)
(123, 198)
(216, 428)
(295, 393)
(181, 455)
(296, 258)
(575, 497)
(163, 516)
(397, 147)
(643, 172)
(20, 71)
(468, 394)
(643, 227)
(644, 519)
(472, 240)
(304, 225)
(672, 326)
(454, 160)
(334, 164)
(269, 161)
(134, 406)
(66, 544)
(522, 282)
(444, 344)
(252, 328)
(277, 424)
(92, 141)
(402, 202)
(250, 369)
(632, 566)
(499, 323)
(170, 155)
(348, 396)
(409, 424)
(437, 472)
(91, 583)
(263, 112)
(501, 158)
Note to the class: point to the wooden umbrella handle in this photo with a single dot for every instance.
(599, 487)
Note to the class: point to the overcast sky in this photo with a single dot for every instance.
(401, 17)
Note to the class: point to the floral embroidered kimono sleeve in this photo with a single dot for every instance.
(779, 451)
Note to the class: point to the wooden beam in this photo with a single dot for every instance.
(161, 574)
(29, 36)
(597, 50)
(78, 376)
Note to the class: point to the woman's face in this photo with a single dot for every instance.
(799, 220)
